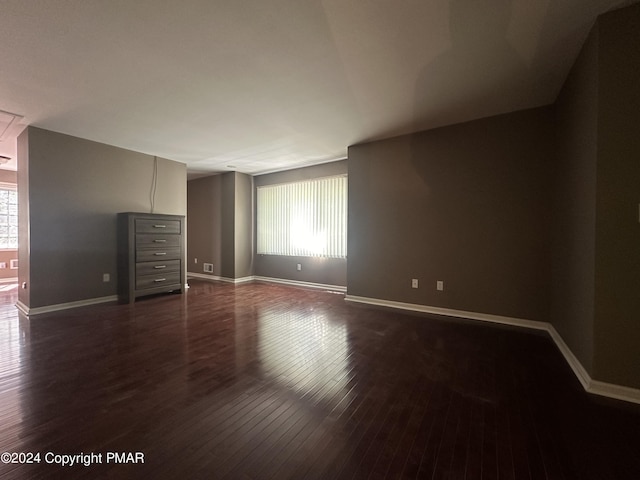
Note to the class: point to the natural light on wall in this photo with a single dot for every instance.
(306, 219)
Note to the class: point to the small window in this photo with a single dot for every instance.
(8, 217)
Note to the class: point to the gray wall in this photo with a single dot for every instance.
(617, 244)
(24, 263)
(467, 204)
(228, 206)
(222, 228)
(204, 228)
(328, 271)
(596, 249)
(243, 225)
(221, 225)
(532, 214)
(73, 190)
(573, 271)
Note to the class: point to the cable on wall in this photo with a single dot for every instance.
(154, 184)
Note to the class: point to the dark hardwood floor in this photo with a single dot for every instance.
(260, 381)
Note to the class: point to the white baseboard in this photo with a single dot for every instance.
(578, 370)
(595, 387)
(9, 280)
(204, 276)
(296, 283)
(283, 281)
(518, 322)
(22, 308)
(64, 306)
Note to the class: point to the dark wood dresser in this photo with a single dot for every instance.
(151, 254)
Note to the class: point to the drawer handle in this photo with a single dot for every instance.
(160, 280)
(157, 267)
(158, 254)
(159, 240)
(159, 226)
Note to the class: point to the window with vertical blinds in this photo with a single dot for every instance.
(306, 219)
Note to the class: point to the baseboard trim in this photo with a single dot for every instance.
(64, 306)
(595, 387)
(22, 308)
(447, 312)
(9, 280)
(297, 283)
(579, 371)
(217, 278)
(283, 281)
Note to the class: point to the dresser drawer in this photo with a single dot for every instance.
(157, 268)
(146, 225)
(160, 240)
(158, 254)
(160, 280)
(151, 250)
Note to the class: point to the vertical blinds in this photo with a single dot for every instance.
(306, 219)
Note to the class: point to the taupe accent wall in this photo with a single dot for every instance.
(237, 230)
(325, 271)
(468, 205)
(70, 192)
(204, 230)
(617, 244)
(596, 260)
(574, 213)
(222, 228)
(228, 225)
(243, 225)
(532, 215)
(221, 225)
(24, 294)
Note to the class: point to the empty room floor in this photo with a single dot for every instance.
(259, 381)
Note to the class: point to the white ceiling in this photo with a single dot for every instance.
(265, 85)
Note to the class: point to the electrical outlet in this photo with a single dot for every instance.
(299, 267)
(414, 283)
(207, 267)
(440, 285)
(106, 277)
(195, 260)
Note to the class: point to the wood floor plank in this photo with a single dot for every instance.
(259, 381)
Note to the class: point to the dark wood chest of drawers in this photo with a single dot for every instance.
(150, 254)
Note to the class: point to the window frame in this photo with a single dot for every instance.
(330, 247)
(12, 187)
